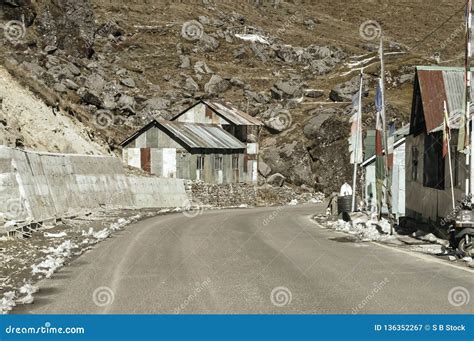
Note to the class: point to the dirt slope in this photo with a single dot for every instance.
(113, 65)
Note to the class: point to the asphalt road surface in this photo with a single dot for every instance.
(264, 260)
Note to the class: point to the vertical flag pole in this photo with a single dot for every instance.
(447, 139)
(388, 189)
(357, 141)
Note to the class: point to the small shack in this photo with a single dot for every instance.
(239, 124)
(428, 186)
(194, 151)
(398, 173)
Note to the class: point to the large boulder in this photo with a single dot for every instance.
(291, 160)
(263, 168)
(345, 91)
(313, 126)
(286, 90)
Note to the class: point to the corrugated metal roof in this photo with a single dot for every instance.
(402, 132)
(232, 114)
(208, 136)
(433, 96)
(439, 84)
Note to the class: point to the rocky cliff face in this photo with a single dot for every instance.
(113, 65)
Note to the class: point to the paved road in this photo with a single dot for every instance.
(230, 261)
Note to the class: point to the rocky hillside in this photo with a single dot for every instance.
(108, 66)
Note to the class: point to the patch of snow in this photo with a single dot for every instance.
(55, 235)
(28, 299)
(7, 302)
(48, 266)
(293, 202)
(431, 249)
(253, 37)
(102, 234)
(467, 259)
(28, 289)
(365, 228)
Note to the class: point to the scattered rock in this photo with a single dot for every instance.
(59, 87)
(185, 62)
(343, 92)
(208, 43)
(95, 83)
(313, 93)
(216, 85)
(263, 168)
(240, 53)
(286, 89)
(73, 69)
(191, 85)
(33, 68)
(128, 82)
(70, 84)
(126, 103)
(90, 97)
(201, 67)
(49, 49)
(276, 180)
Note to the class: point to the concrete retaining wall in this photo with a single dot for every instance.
(40, 186)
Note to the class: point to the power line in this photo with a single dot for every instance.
(436, 29)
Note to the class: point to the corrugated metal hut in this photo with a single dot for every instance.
(188, 151)
(428, 186)
(239, 124)
(398, 173)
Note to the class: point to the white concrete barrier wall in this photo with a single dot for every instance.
(39, 186)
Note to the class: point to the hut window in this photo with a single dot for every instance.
(433, 162)
(414, 164)
(235, 162)
(200, 162)
(218, 162)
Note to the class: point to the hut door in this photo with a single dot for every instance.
(145, 159)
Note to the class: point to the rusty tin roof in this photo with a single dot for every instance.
(437, 85)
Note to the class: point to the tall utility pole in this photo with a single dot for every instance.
(469, 127)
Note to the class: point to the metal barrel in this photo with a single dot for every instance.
(344, 204)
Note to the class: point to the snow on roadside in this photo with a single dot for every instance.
(56, 254)
(364, 228)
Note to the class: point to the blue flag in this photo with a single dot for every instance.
(378, 97)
